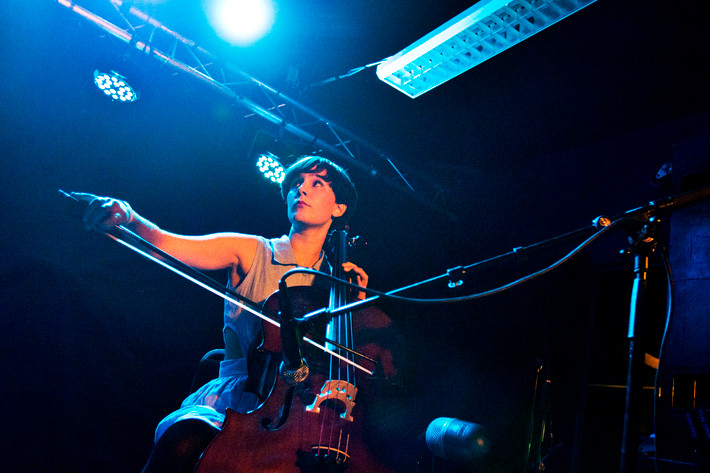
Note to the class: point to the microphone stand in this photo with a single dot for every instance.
(630, 218)
(641, 226)
(294, 369)
(454, 276)
(643, 241)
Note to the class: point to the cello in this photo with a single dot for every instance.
(312, 419)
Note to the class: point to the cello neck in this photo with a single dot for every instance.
(337, 328)
(338, 293)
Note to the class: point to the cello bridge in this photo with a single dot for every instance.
(338, 394)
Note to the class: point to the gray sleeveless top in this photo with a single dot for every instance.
(273, 259)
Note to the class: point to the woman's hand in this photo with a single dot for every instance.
(103, 213)
(360, 277)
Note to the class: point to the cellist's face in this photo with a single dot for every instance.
(311, 201)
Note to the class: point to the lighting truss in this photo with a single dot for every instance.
(487, 28)
(175, 52)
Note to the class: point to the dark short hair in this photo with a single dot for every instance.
(336, 176)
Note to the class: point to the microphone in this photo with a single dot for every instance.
(457, 440)
(294, 369)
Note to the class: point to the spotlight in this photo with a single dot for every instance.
(115, 86)
(270, 167)
(242, 22)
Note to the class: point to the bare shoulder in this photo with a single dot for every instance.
(244, 246)
(213, 251)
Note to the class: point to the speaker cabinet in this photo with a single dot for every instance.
(682, 430)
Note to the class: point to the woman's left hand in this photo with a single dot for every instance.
(360, 277)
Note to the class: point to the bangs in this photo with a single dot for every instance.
(335, 176)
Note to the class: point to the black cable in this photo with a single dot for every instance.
(669, 313)
(471, 297)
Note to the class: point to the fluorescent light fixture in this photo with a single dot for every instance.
(479, 33)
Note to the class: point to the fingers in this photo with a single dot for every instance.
(96, 214)
(104, 213)
(361, 278)
(360, 274)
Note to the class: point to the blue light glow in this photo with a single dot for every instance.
(114, 85)
(241, 22)
(270, 168)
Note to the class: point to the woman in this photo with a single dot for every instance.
(319, 195)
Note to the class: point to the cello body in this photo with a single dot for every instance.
(315, 426)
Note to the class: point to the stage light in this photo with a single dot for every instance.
(479, 33)
(115, 86)
(270, 167)
(241, 22)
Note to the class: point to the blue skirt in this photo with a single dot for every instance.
(210, 402)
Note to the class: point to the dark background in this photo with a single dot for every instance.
(99, 344)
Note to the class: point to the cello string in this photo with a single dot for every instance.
(346, 339)
(349, 333)
(335, 331)
(330, 417)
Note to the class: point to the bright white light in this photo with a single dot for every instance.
(271, 168)
(241, 22)
(114, 85)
